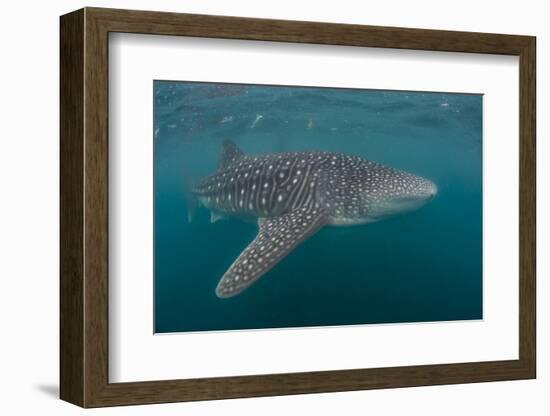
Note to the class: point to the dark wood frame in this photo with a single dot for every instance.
(84, 208)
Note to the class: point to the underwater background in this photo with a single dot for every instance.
(419, 266)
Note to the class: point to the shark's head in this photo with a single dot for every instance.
(358, 191)
(392, 192)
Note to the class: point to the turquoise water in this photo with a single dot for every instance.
(420, 266)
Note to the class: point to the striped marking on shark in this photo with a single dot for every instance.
(293, 195)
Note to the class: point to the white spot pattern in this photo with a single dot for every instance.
(346, 188)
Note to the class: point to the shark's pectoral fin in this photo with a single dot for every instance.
(276, 237)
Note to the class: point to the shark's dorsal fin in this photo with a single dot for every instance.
(230, 153)
(276, 237)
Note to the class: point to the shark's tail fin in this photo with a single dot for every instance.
(190, 198)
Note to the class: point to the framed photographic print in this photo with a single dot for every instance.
(255, 207)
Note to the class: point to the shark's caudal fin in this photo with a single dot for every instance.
(276, 237)
(190, 198)
(230, 153)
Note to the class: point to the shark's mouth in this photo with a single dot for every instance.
(399, 205)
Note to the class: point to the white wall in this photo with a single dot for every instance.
(29, 206)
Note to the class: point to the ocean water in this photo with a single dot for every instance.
(417, 267)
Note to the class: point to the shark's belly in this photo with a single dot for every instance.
(339, 221)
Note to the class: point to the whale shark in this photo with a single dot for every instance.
(293, 195)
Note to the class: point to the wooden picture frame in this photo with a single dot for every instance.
(84, 207)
